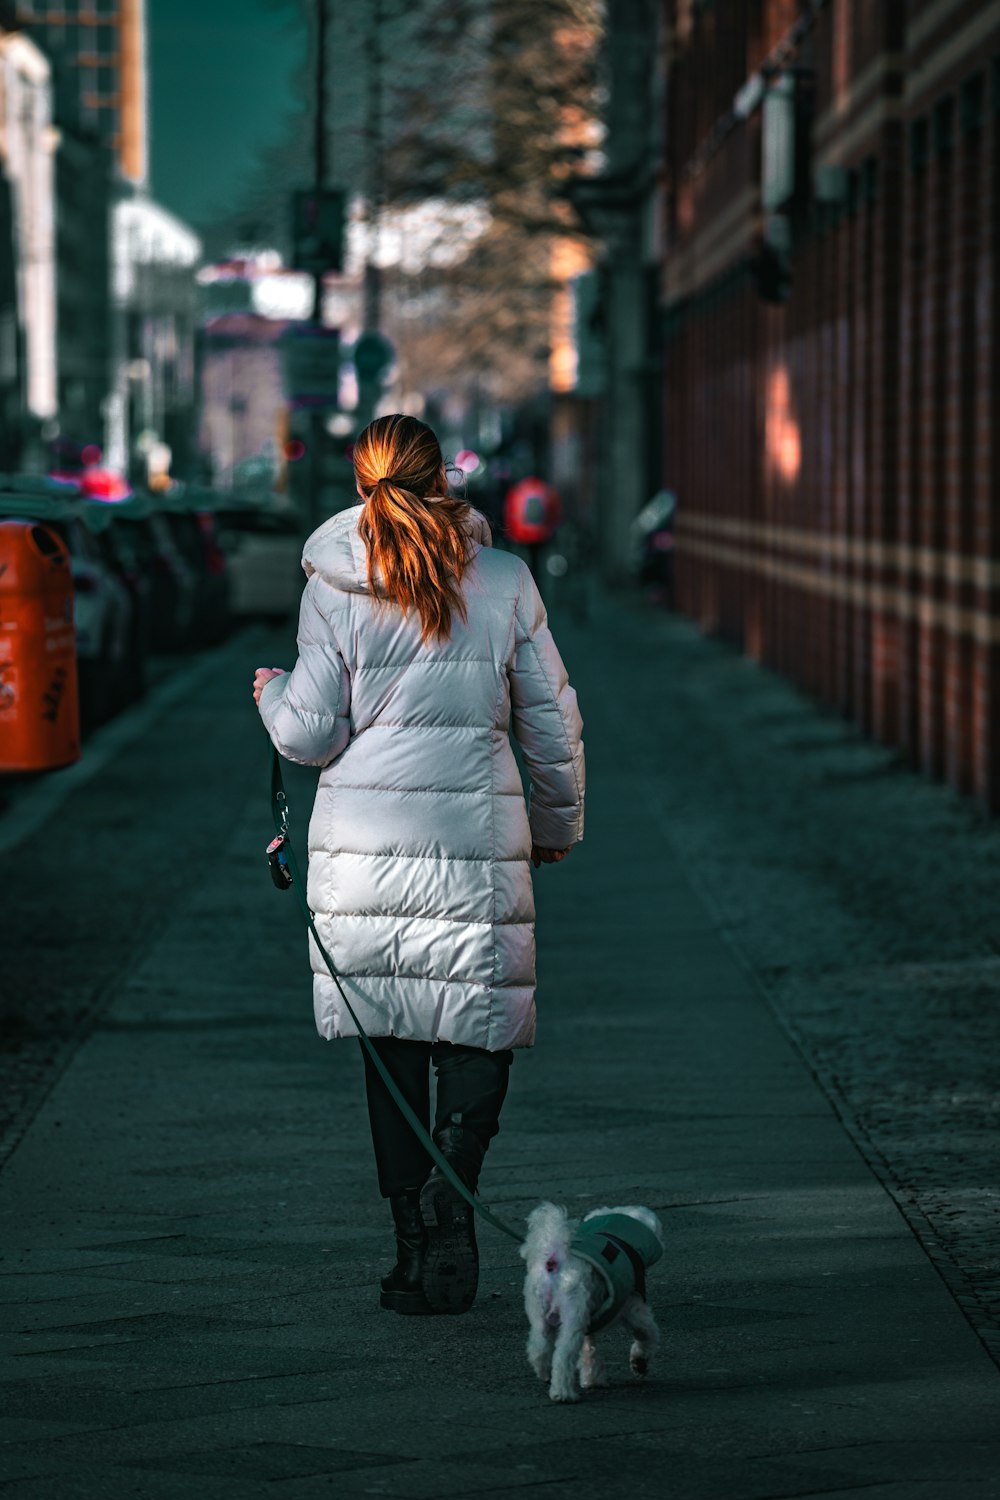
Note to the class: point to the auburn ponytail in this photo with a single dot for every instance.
(415, 534)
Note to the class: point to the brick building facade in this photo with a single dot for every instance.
(831, 358)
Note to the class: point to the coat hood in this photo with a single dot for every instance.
(336, 551)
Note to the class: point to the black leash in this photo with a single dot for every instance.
(285, 873)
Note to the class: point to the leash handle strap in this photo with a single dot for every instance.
(279, 809)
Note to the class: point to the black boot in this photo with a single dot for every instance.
(401, 1289)
(451, 1264)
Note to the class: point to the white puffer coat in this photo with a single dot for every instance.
(419, 842)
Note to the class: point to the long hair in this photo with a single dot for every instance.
(413, 531)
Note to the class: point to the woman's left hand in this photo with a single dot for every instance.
(543, 856)
(262, 677)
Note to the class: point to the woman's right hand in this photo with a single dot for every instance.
(542, 856)
(262, 677)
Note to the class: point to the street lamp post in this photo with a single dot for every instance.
(319, 141)
(316, 416)
(373, 273)
(371, 357)
(311, 350)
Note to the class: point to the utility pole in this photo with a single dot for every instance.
(375, 185)
(372, 352)
(311, 350)
(319, 140)
(317, 416)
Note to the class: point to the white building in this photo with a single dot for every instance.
(28, 141)
(154, 257)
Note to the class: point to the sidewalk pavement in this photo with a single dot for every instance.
(194, 1240)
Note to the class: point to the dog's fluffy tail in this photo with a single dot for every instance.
(547, 1243)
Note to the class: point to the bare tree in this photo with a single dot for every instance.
(486, 107)
(516, 119)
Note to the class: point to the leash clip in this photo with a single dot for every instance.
(277, 859)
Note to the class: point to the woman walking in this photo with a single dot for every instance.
(419, 647)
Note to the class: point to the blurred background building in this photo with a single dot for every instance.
(97, 295)
(97, 58)
(152, 403)
(100, 52)
(246, 307)
(617, 325)
(27, 148)
(84, 195)
(797, 297)
(831, 345)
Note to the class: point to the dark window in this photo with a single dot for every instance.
(919, 144)
(944, 124)
(104, 39)
(970, 104)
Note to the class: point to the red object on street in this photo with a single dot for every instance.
(532, 512)
(104, 484)
(39, 713)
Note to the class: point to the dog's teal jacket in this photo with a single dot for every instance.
(622, 1249)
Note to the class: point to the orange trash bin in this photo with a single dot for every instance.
(39, 706)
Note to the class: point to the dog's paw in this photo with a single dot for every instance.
(593, 1376)
(563, 1397)
(638, 1364)
(592, 1372)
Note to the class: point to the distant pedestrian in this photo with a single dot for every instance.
(419, 645)
(532, 516)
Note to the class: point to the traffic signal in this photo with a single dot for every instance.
(318, 230)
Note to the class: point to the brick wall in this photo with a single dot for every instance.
(835, 456)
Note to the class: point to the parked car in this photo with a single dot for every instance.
(175, 588)
(102, 615)
(190, 516)
(263, 547)
(146, 547)
(123, 541)
(102, 609)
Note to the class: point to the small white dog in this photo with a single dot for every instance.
(582, 1278)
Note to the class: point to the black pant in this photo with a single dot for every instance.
(470, 1081)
